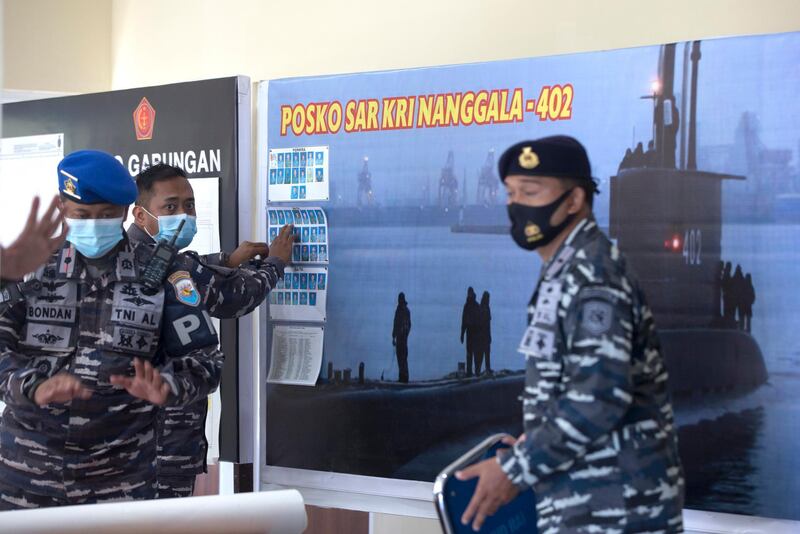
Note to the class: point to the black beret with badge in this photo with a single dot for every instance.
(559, 156)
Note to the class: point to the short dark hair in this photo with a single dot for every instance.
(160, 172)
(588, 186)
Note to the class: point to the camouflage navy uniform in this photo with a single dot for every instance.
(91, 320)
(600, 448)
(227, 294)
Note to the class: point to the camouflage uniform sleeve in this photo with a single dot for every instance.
(231, 293)
(193, 376)
(597, 387)
(217, 259)
(17, 378)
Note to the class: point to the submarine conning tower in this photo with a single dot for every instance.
(666, 215)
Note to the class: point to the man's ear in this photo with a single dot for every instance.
(138, 215)
(577, 200)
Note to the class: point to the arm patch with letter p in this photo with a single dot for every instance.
(189, 331)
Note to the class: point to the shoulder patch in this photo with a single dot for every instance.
(597, 316)
(185, 290)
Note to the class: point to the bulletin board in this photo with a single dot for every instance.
(695, 147)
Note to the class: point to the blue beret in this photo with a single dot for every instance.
(94, 177)
(558, 156)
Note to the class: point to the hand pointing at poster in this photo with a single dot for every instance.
(281, 246)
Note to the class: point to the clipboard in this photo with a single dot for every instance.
(451, 497)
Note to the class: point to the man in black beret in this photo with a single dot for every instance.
(599, 448)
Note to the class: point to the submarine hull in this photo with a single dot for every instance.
(423, 441)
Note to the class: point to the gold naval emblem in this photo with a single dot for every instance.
(70, 185)
(528, 159)
(533, 232)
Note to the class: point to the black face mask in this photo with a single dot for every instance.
(531, 228)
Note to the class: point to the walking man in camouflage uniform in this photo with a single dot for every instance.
(230, 286)
(78, 344)
(599, 448)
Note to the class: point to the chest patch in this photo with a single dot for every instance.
(47, 336)
(132, 340)
(549, 295)
(132, 307)
(537, 342)
(546, 307)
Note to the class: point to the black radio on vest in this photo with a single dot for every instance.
(163, 255)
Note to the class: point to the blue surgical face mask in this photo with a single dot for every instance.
(168, 225)
(94, 238)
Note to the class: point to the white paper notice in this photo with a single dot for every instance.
(310, 228)
(206, 203)
(296, 355)
(28, 167)
(298, 174)
(301, 295)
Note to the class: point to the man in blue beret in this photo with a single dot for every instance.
(77, 353)
(599, 448)
(232, 285)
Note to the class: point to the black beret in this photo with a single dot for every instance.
(558, 156)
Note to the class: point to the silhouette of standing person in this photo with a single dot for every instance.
(738, 285)
(470, 325)
(485, 349)
(638, 159)
(650, 157)
(718, 290)
(728, 302)
(626, 160)
(400, 332)
(749, 300)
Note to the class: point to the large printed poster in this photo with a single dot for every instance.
(695, 146)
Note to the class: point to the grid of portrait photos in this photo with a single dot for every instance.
(300, 295)
(298, 174)
(310, 229)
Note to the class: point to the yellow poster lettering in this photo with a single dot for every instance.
(480, 107)
(349, 116)
(286, 119)
(453, 108)
(515, 114)
(388, 117)
(466, 108)
(372, 115)
(335, 117)
(425, 111)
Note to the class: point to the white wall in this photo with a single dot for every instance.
(57, 45)
(154, 41)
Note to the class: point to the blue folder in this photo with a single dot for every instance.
(451, 497)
